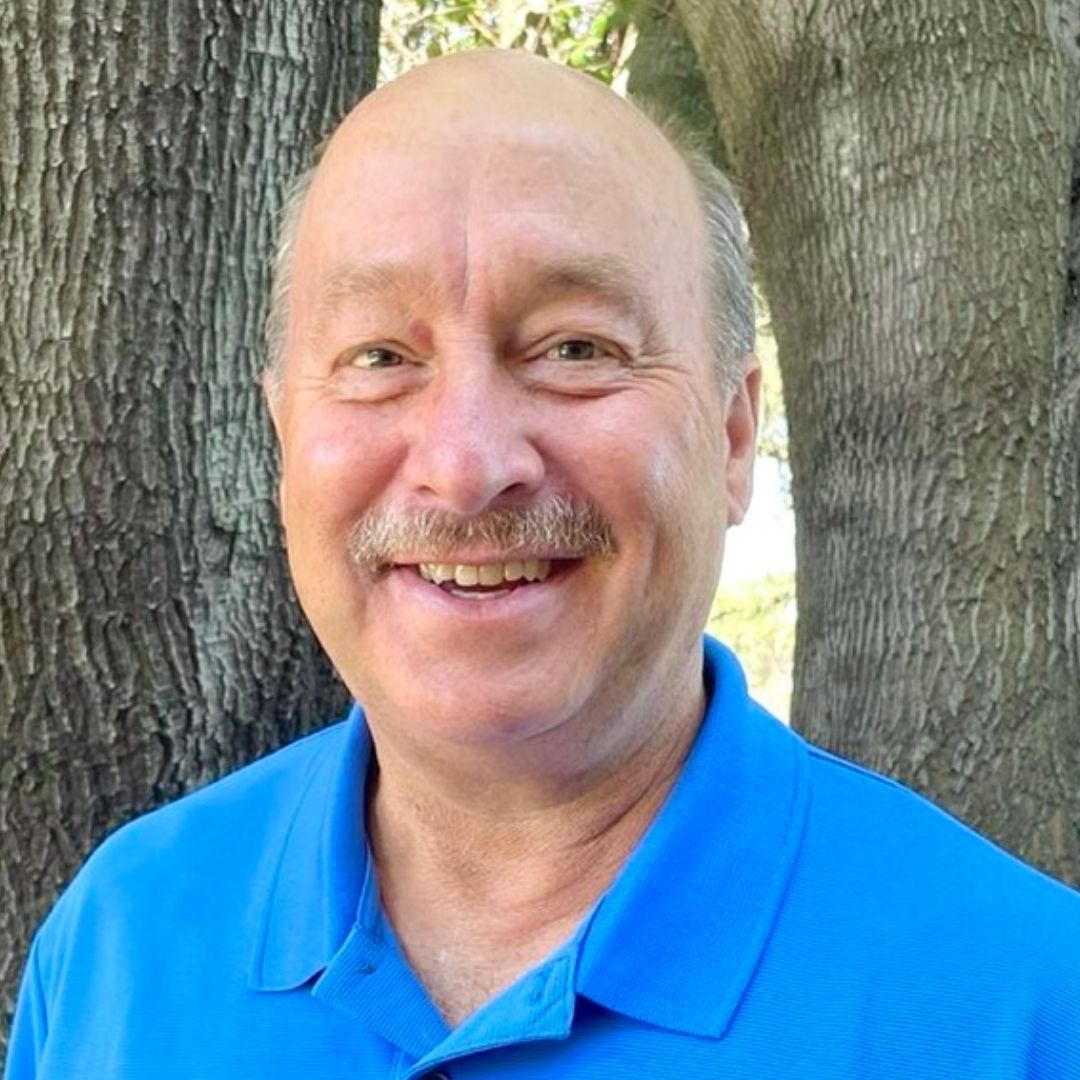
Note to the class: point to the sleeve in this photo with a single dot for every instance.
(26, 1041)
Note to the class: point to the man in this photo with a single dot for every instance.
(516, 402)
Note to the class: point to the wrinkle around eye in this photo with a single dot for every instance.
(588, 378)
(607, 373)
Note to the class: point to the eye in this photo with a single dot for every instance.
(574, 349)
(374, 358)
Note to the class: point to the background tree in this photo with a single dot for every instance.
(595, 36)
(911, 180)
(148, 638)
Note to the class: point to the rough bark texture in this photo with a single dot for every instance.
(148, 638)
(910, 172)
(664, 69)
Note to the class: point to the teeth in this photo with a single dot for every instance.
(466, 575)
(489, 574)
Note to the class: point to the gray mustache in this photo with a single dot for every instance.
(560, 527)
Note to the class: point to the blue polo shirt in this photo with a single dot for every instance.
(786, 914)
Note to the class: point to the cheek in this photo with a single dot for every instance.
(684, 499)
(330, 469)
(656, 461)
(672, 472)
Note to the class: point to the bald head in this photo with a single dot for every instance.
(466, 86)
(510, 117)
(486, 91)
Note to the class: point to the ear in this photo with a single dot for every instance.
(740, 433)
(270, 381)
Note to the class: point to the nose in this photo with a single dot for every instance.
(470, 446)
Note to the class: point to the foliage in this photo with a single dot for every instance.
(773, 430)
(591, 35)
(757, 619)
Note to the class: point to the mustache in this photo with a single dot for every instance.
(559, 527)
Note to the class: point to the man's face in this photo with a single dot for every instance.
(492, 317)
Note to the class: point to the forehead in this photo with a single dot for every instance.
(468, 207)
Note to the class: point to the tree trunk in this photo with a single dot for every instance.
(911, 179)
(664, 69)
(148, 637)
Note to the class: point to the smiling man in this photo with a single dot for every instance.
(508, 458)
(515, 394)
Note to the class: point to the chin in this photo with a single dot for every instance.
(480, 720)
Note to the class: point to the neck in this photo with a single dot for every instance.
(495, 865)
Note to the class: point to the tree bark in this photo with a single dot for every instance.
(664, 69)
(149, 640)
(911, 178)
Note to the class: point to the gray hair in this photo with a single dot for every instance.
(732, 318)
(562, 527)
(730, 284)
(281, 273)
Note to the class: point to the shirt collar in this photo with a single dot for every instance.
(676, 939)
(315, 889)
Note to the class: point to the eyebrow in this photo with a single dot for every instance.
(357, 282)
(616, 280)
(613, 279)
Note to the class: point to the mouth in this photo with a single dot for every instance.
(488, 580)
